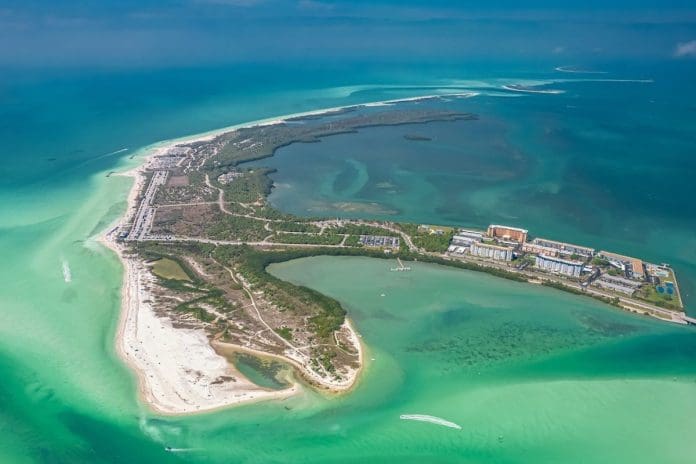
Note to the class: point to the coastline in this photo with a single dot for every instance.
(177, 370)
(177, 391)
(163, 393)
(300, 370)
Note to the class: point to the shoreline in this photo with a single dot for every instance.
(299, 370)
(151, 392)
(161, 388)
(151, 389)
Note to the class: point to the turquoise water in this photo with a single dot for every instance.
(605, 164)
(557, 377)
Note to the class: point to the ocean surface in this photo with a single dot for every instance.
(529, 374)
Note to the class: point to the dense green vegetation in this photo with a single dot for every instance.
(252, 265)
(361, 229)
(269, 212)
(432, 242)
(292, 226)
(228, 227)
(285, 332)
(510, 275)
(559, 286)
(312, 239)
(252, 186)
(353, 241)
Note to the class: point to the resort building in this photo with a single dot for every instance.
(466, 237)
(379, 241)
(559, 265)
(475, 234)
(457, 250)
(620, 280)
(633, 267)
(489, 251)
(616, 287)
(539, 249)
(507, 233)
(565, 248)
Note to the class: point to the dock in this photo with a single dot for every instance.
(400, 266)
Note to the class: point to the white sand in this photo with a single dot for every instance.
(178, 371)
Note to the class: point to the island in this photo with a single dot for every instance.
(199, 234)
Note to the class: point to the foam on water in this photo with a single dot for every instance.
(67, 274)
(430, 419)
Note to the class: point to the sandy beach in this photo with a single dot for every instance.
(178, 370)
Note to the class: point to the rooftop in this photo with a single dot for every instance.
(498, 226)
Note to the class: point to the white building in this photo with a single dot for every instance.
(559, 265)
(496, 252)
(565, 248)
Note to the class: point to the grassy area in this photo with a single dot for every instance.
(285, 332)
(169, 269)
(353, 241)
(650, 294)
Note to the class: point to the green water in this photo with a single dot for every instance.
(264, 373)
(530, 374)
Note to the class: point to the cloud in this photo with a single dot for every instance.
(685, 49)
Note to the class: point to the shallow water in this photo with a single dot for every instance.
(560, 378)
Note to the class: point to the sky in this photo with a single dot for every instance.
(39, 33)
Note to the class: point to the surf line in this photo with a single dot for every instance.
(430, 419)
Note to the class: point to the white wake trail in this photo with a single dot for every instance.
(430, 419)
(67, 275)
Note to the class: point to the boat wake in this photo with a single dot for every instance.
(525, 89)
(112, 153)
(67, 275)
(576, 70)
(430, 419)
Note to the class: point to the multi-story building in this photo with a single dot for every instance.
(466, 237)
(633, 267)
(613, 286)
(565, 248)
(486, 250)
(559, 265)
(539, 249)
(620, 281)
(507, 233)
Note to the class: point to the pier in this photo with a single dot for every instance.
(400, 266)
